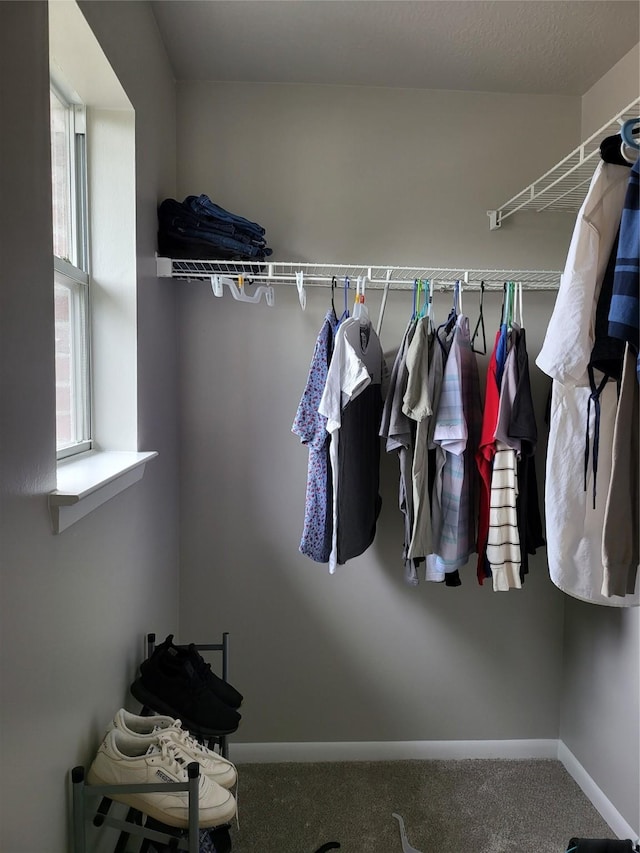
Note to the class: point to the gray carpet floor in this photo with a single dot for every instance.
(479, 806)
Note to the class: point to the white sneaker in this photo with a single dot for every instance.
(215, 766)
(126, 760)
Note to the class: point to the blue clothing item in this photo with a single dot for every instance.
(203, 205)
(501, 353)
(624, 320)
(221, 242)
(225, 226)
(311, 427)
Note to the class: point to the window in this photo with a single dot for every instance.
(70, 251)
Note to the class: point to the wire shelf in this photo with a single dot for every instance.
(564, 187)
(377, 277)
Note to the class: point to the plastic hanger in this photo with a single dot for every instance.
(334, 284)
(218, 283)
(480, 325)
(450, 321)
(627, 161)
(364, 308)
(430, 309)
(360, 310)
(427, 296)
(302, 294)
(383, 304)
(406, 847)
(417, 290)
(453, 314)
(626, 132)
(521, 318)
(345, 313)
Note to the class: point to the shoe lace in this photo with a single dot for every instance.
(187, 740)
(173, 755)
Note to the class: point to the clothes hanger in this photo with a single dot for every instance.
(302, 295)
(480, 325)
(430, 309)
(629, 130)
(363, 310)
(406, 847)
(237, 291)
(453, 314)
(356, 301)
(426, 299)
(512, 287)
(383, 303)
(450, 322)
(334, 284)
(345, 313)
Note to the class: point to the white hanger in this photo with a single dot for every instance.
(302, 295)
(383, 305)
(237, 290)
(519, 286)
(356, 303)
(360, 310)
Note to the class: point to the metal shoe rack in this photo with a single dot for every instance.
(84, 794)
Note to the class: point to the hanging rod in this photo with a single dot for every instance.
(564, 187)
(378, 277)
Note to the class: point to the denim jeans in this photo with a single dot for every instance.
(203, 205)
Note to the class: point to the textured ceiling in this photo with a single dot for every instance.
(527, 46)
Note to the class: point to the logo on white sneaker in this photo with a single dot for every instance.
(164, 776)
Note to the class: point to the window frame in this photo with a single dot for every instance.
(73, 272)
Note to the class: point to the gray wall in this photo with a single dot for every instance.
(355, 175)
(75, 607)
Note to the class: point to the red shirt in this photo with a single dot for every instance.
(484, 458)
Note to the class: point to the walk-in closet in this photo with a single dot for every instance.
(407, 162)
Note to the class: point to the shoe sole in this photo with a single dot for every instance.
(137, 801)
(145, 697)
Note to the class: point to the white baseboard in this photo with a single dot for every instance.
(598, 798)
(245, 753)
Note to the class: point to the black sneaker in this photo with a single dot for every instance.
(222, 689)
(169, 684)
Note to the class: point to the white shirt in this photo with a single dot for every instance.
(570, 335)
(346, 378)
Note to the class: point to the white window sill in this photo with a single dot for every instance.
(87, 480)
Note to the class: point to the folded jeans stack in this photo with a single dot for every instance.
(156, 750)
(199, 229)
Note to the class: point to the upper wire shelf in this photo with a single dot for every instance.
(378, 277)
(564, 187)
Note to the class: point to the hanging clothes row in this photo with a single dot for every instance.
(432, 419)
(592, 489)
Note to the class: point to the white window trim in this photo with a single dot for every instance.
(88, 480)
